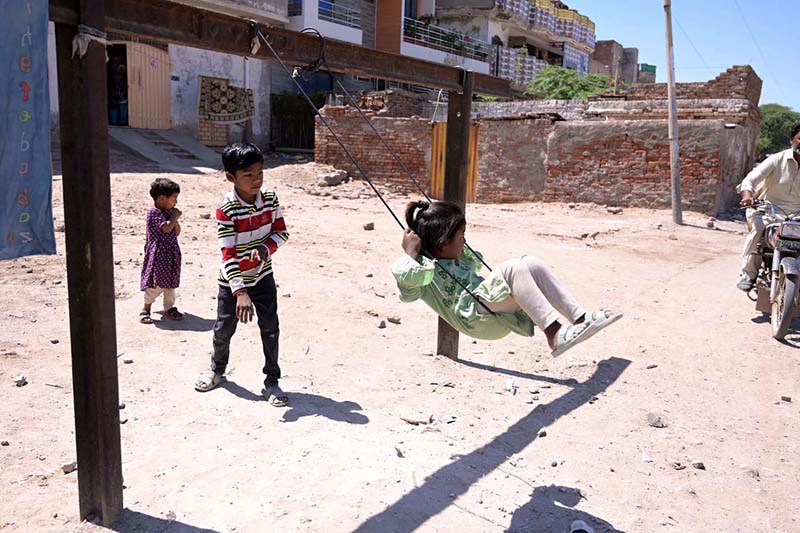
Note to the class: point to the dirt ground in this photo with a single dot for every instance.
(515, 439)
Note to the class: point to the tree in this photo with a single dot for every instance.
(775, 128)
(558, 83)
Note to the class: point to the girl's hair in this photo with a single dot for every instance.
(436, 223)
(163, 187)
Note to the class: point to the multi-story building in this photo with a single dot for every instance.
(512, 39)
(524, 35)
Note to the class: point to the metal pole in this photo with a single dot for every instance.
(674, 150)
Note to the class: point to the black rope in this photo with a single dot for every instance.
(321, 61)
(394, 154)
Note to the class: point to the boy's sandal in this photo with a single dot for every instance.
(145, 318)
(173, 314)
(275, 396)
(569, 336)
(208, 381)
(599, 320)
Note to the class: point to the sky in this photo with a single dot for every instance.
(710, 36)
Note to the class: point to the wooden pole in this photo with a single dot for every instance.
(674, 149)
(90, 267)
(459, 111)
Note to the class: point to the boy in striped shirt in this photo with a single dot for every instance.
(250, 228)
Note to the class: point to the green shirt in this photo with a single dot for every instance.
(422, 279)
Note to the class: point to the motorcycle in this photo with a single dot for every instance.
(778, 277)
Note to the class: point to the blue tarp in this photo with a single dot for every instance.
(26, 212)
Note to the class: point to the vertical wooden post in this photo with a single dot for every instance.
(459, 111)
(90, 267)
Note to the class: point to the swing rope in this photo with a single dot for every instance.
(313, 67)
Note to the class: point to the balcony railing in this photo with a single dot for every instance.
(339, 14)
(295, 8)
(444, 40)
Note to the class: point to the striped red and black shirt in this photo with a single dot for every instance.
(243, 228)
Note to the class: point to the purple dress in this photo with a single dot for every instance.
(162, 255)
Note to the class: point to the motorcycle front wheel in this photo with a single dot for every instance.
(783, 306)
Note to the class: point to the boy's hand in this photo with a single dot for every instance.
(747, 199)
(412, 244)
(175, 213)
(244, 307)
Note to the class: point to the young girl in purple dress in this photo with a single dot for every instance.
(161, 268)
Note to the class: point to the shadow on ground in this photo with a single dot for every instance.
(131, 521)
(552, 509)
(443, 487)
(190, 322)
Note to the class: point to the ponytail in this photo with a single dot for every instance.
(413, 212)
(436, 222)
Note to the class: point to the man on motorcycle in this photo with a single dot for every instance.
(776, 179)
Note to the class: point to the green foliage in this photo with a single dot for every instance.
(558, 83)
(483, 98)
(775, 128)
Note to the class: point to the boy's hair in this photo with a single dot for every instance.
(163, 187)
(237, 156)
(436, 223)
(795, 129)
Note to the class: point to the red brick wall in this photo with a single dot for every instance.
(511, 159)
(410, 138)
(617, 162)
(736, 82)
(627, 163)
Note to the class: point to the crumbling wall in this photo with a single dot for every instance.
(408, 137)
(626, 163)
(738, 82)
(512, 156)
(611, 150)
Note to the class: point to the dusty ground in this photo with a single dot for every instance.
(690, 349)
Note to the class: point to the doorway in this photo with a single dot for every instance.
(117, 76)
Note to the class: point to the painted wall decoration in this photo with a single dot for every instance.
(26, 212)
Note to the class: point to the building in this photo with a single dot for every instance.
(524, 35)
(160, 82)
(612, 59)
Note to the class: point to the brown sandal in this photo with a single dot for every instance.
(173, 314)
(145, 318)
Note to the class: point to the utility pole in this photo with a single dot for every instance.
(674, 150)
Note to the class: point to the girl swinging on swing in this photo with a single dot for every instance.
(519, 294)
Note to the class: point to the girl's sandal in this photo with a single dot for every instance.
(569, 336)
(144, 317)
(599, 320)
(173, 314)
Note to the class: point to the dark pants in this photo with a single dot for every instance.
(265, 300)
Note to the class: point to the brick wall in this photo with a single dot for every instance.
(409, 137)
(212, 134)
(611, 151)
(512, 159)
(393, 103)
(739, 82)
(627, 163)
